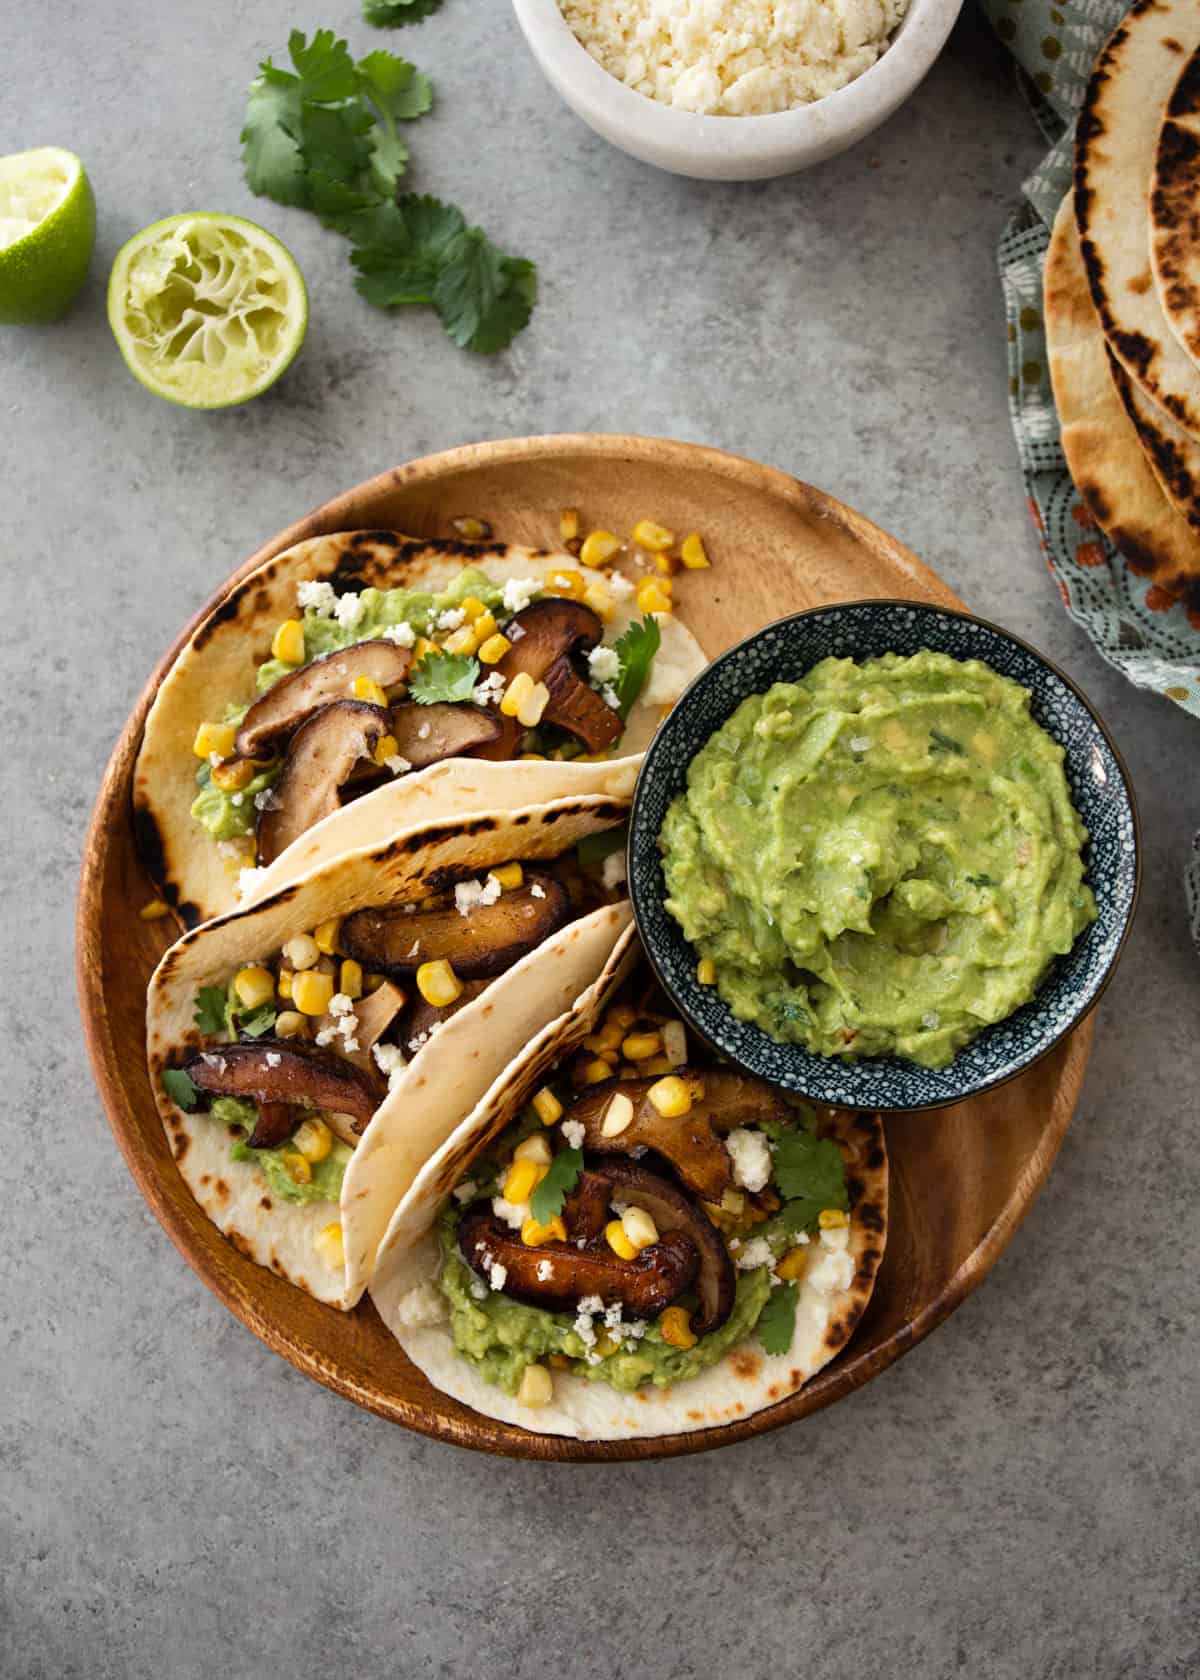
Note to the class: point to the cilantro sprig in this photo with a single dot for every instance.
(443, 676)
(810, 1175)
(392, 14)
(326, 136)
(636, 650)
(561, 1178)
(777, 1322)
(209, 1010)
(180, 1089)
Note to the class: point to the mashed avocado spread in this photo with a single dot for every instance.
(880, 859)
(325, 1184)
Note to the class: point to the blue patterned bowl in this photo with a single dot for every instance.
(1100, 788)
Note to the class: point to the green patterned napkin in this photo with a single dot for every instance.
(1149, 637)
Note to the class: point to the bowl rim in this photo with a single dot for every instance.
(829, 123)
(640, 891)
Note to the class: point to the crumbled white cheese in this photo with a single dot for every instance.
(418, 1043)
(610, 697)
(397, 765)
(248, 879)
(604, 663)
(340, 1004)
(514, 1214)
(734, 58)
(619, 585)
(497, 1275)
(545, 1270)
(422, 1306)
(316, 597)
(464, 1191)
(390, 1060)
(613, 871)
(518, 592)
(573, 1131)
(612, 1316)
(424, 731)
(264, 799)
(479, 1289)
(211, 1059)
(348, 611)
(537, 890)
(859, 743)
(751, 1157)
(237, 798)
(402, 634)
(490, 691)
(753, 1254)
(451, 619)
(473, 895)
(831, 1268)
(273, 1058)
(515, 631)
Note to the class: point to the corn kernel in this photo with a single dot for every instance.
(666, 565)
(599, 597)
(595, 1072)
(287, 644)
(534, 1235)
(530, 710)
(283, 984)
(564, 581)
(536, 1147)
(639, 1228)
(568, 524)
(638, 1046)
(313, 1139)
(655, 538)
(671, 1096)
(605, 1344)
(312, 991)
(350, 981)
(614, 1233)
(676, 1328)
(652, 596)
(622, 1016)
(493, 650)
(547, 1106)
(386, 747)
(366, 688)
(484, 627)
(537, 1386)
(508, 875)
(617, 1115)
(706, 972)
(734, 1202)
(462, 640)
(290, 1024)
(692, 552)
(438, 984)
(518, 690)
(423, 646)
(254, 986)
(605, 1043)
(155, 910)
(302, 951)
(629, 1070)
(793, 1265)
(532, 758)
(655, 1068)
(214, 738)
(297, 1168)
(470, 528)
(522, 1180)
(474, 608)
(599, 547)
(234, 776)
(328, 1244)
(832, 1219)
(326, 935)
(674, 1043)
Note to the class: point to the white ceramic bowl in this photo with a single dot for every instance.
(735, 148)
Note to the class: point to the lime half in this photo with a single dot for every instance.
(47, 230)
(207, 310)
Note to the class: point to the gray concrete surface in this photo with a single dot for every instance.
(1018, 1497)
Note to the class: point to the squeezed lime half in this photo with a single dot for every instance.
(207, 310)
(47, 231)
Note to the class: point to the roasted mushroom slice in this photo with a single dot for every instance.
(427, 734)
(479, 945)
(282, 1071)
(275, 1124)
(691, 1142)
(423, 1018)
(644, 1286)
(319, 760)
(676, 1214)
(551, 631)
(585, 1210)
(295, 697)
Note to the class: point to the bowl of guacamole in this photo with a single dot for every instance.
(883, 854)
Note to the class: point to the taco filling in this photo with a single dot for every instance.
(644, 1216)
(368, 685)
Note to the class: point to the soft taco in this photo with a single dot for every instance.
(361, 683)
(310, 1053)
(627, 1239)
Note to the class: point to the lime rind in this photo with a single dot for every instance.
(47, 233)
(208, 310)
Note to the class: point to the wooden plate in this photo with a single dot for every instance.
(962, 1179)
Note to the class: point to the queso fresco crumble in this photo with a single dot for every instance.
(734, 58)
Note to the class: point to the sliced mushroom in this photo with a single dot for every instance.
(283, 1071)
(691, 1142)
(585, 1210)
(479, 945)
(297, 696)
(423, 1018)
(427, 734)
(319, 760)
(275, 1124)
(677, 1215)
(645, 1285)
(552, 631)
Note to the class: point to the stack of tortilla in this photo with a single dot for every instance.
(1122, 296)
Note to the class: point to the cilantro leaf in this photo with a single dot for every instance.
(810, 1175)
(253, 1023)
(636, 650)
(271, 155)
(443, 676)
(563, 1175)
(324, 66)
(397, 88)
(209, 1013)
(482, 297)
(400, 256)
(777, 1322)
(392, 14)
(180, 1089)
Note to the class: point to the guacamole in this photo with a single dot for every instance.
(325, 1184)
(880, 859)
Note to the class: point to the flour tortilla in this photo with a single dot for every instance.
(1115, 149)
(1106, 460)
(1174, 207)
(1174, 454)
(441, 1082)
(218, 666)
(746, 1381)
